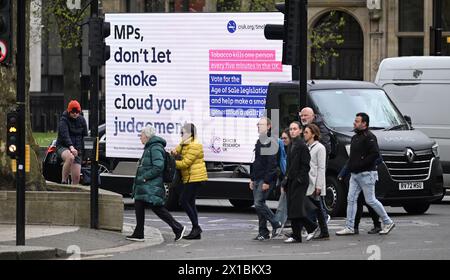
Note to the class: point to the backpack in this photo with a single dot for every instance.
(170, 167)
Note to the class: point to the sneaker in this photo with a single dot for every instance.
(312, 234)
(180, 234)
(292, 240)
(322, 237)
(345, 231)
(328, 218)
(277, 230)
(261, 238)
(387, 228)
(304, 232)
(374, 230)
(135, 237)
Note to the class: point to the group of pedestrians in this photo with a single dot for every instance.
(299, 158)
(296, 164)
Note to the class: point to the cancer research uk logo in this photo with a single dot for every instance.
(231, 26)
(218, 145)
(214, 145)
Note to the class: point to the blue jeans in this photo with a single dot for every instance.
(262, 210)
(281, 214)
(365, 182)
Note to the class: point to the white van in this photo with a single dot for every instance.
(420, 87)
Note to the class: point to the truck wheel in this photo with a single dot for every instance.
(417, 208)
(241, 204)
(103, 168)
(172, 198)
(336, 197)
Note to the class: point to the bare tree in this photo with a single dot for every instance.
(8, 77)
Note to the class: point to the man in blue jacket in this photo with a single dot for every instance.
(263, 177)
(71, 130)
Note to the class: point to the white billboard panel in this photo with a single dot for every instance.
(211, 69)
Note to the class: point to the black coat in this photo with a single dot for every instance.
(265, 164)
(364, 152)
(325, 138)
(71, 131)
(297, 178)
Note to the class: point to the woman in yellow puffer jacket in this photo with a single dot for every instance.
(190, 161)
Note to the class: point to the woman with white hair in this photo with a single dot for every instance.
(148, 187)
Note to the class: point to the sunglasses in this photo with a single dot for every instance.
(75, 112)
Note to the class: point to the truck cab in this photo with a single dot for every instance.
(410, 175)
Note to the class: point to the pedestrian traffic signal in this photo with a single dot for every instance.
(99, 52)
(5, 32)
(12, 134)
(289, 32)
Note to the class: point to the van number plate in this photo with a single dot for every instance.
(411, 186)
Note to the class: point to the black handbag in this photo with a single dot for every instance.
(309, 205)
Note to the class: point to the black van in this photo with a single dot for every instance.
(411, 173)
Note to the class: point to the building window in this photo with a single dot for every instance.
(411, 15)
(446, 45)
(446, 15)
(410, 46)
(165, 6)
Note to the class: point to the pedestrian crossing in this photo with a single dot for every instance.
(230, 225)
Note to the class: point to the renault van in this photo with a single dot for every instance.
(420, 87)
(410, 174)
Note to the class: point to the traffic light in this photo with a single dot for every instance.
(12, 134)
(5, 32)
(289, 32)
(99, 52)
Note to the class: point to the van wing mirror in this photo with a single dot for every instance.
(408, 120)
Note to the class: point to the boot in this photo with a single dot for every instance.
(194, 234)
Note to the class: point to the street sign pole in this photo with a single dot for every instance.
(303, 51)
(20, 173)
(94, 131)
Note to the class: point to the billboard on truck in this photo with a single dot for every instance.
(211, 69)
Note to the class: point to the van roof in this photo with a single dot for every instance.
(416, 62)
(331, 84)
(414, 68)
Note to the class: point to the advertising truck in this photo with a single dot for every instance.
(216, 71)
(209, 69)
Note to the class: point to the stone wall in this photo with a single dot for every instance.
(69, 206)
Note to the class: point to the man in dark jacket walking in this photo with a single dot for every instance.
(297, 181)
(362, 165)
(69, 145)
(148, 187)
(307, 116)
(263, 177)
